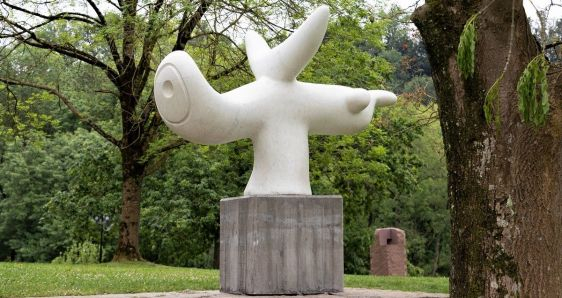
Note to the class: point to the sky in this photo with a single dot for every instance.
(555, 11)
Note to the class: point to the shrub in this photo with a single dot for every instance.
(79, 253)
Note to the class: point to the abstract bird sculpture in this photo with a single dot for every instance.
(276, 112)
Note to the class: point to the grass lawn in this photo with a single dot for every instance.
(35, 279)
(410, 283)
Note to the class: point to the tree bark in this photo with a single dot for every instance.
(216, 252)
(437, 252)
(132, 150)
(128, 242)
(505, 182)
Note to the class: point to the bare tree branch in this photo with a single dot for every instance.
(148, 108)
(152, 121)
(98, 12)
(108, 37)
(221, 34)
(129, 38)
(150, 39)
(69, 16)
(20, 33)
(86, 121)
(238, 65)
(166, 148)
(553, 45)
(116, 94)
(66, 49)
(187, 25)
(114, 4)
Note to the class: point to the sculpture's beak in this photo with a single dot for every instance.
(383, 98)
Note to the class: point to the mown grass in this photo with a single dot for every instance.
(409, 284)
(34, 279)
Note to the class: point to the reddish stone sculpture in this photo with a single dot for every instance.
(388, 252)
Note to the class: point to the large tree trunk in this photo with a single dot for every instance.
(128, 243)
(133, 147)
(505, 183)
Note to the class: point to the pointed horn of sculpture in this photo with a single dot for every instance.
(189, 105)
(287, 60)
(257, 51)
(297, 50)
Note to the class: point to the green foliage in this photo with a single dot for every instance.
(30, 175)
(413, 270)
(425, 216)
(369, 170)
(51, 192)
(188, 188)
(492, 103)
(27, 280)
(532, 89)
(23, 115)
(405, 51)
(467, 47)
(357, 67)
(93, 189)
(55, 184)
(79, 253)
(422, 88)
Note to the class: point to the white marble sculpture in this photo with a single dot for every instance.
(276, 111)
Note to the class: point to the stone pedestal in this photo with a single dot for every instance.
(281, 245)
(388, 252)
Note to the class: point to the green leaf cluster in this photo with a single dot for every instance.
(532, 89)
(406, 53)
(345, 56)
(467, 48)
(491, 103)
(79, 253)
(24, 115)
(187, 188)
(51, 190)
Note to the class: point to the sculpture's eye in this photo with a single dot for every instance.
(172, 98)
(358, 101)
(167, 89)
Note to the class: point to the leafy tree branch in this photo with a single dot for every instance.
(84, 119)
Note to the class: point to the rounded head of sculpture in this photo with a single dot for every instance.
(172, 98)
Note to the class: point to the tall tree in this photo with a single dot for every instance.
(505, 182)
(124, 40)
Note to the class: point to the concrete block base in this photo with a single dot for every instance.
(281, 245)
